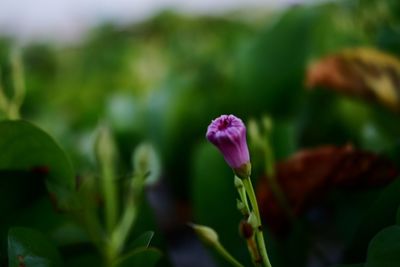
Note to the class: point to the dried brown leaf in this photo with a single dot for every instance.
(310, 174)
(361, 72)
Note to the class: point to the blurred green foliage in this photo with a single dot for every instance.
(30, 248)
(162, 81)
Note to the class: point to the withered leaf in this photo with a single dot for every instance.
(361, 72)
(308, 175)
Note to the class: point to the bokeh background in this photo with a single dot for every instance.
(159, 71)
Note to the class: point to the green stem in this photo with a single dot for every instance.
(121, 232)
(92, 226)
(224, 253)
(18, 83)
(272, 181)
(259, 235)
(110, 195)
(3, 98)
(242, 193)
(269, 159)
(280, 196)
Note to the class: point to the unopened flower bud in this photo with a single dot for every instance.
(241, 207)
(228, 134)
(206, 234)
(105, 148)
(252, 220)
(239, 204)
(146, 162)
(243, 171)
(254, 132)
(267, 124)
(238, 182)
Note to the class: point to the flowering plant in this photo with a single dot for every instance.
(228, 134)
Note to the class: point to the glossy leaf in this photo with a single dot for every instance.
(350, 265)
(140, 257)
(398, 216)
(384, 249)
(25, 147)
(142, 241)
(381, 214)
(269, 83)
(30, 248)
(84, 260)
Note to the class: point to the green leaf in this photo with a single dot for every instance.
(384, 248)
(30, 248)
(381, 214)
(25, 147)
(266, 79)
(84, 260)
(350, 265)
(398, 216)
(143, 241)
(140, 257)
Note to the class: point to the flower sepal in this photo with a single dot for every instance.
(243, 171)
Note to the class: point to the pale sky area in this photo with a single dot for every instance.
(67, 19)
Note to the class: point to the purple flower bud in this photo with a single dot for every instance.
(228, 134)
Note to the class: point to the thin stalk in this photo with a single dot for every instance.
(272, 182)
(106, 153)
(110, 195)
(121, 232)
(18, 83)
(92, 227)
(228, 257)
(242, 193)
(280, 196)
(3, 98)
(269, 159)
(259, 235)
